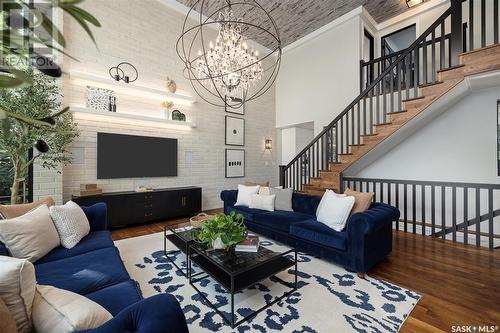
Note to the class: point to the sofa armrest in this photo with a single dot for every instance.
(371, 220)
(229, 197)
(370, 235)
(97, 216)
(159, 313)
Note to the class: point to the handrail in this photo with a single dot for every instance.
(365, 92)
(394, 54)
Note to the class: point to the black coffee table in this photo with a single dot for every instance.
(180, 238)
(236, 271)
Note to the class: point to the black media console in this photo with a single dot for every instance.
(127, 208)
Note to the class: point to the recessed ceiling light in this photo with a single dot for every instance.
(413, 3)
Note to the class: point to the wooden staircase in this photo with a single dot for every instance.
(405, 85)
(478, 61)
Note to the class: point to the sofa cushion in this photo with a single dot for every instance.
(12, 211)
(248, 213)
(30, 236)
(61, 311)
(17, 290)
(116, 297)
(317, 232)
(93, 241)
(84, 273)
(280, 220)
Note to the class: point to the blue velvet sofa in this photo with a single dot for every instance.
(366, 240)
(93, 268)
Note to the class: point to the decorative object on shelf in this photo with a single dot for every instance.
(229, 66)
(171, 85)
(198, 220)
(167, 105)
(222, 231)
(125, 72)
(89, 189)
(99, 99)
(235, 163)
(413, 3)
(238, 110)
(268, 144)
(179, 116)
(112, 104)
(235, 131)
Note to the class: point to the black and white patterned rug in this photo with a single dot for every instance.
(329, 299)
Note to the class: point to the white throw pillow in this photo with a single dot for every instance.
(60, 311)
(30, 236)
(71, 223)
(335, 210)
(323, 200)
(245, 194)
(264, 202)
(17, 290)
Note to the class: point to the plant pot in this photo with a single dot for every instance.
(218, 244)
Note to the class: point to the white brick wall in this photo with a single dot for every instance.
(144, 33)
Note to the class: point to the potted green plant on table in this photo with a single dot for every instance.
(222, 232)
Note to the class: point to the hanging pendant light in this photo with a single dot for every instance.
(227, 69)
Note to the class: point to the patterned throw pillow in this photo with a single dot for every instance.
(71, 223)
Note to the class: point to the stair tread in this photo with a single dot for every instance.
(397, 112)
(357, 144)
(413, 99)
(430, 84)
(342, 154)
(373, 134)
(383, 124)
(450, 68)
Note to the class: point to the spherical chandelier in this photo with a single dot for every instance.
(220, 53)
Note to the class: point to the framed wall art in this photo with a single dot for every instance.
(235, 131)
(235, 163)
(498, 136)
(240, 110)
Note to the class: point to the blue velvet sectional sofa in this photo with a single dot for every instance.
(366, 240)
(94, 269)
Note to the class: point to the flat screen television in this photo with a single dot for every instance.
(131, 156)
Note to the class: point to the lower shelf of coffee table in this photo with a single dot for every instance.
(247, 278)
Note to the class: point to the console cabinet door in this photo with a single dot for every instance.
(190, 201)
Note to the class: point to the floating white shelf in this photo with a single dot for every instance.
(132, 88)
(123, 115)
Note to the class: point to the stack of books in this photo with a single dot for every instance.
(250, 244)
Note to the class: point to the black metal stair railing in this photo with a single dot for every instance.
(399, 79)
(447, 210)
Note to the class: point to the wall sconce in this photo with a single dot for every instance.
(413, 3)
(269, 144)
(118, 73)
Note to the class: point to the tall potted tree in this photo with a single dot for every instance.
(41, 100)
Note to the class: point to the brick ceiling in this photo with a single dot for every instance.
(297, 18)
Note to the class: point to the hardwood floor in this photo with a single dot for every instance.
(460, 284)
